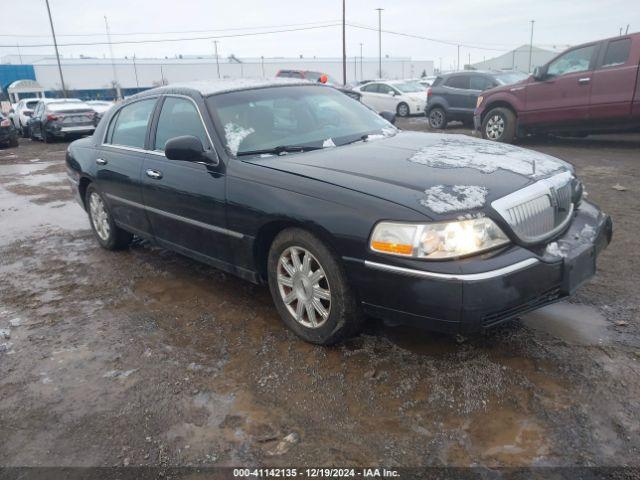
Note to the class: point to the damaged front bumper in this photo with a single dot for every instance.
(471, 294)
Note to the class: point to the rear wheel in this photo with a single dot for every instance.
(108, 234)
(310, 289)
(403, 110)
(499, 125)
(437, 118)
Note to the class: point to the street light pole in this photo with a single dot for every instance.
(361, 75)
(113, 64)
(344, 45)
(55, 44)
(458, 67)
(531, 45)
(215, 46)
(379, 41)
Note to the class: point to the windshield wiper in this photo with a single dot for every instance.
(280, 150)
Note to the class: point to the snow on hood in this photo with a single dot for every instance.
(454, 198)
(459, 151)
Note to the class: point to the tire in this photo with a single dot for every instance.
(108, 234)
(287, 279)
(25, 131)
(403, 110)
(46, 138)
(437, 117)
(499, 125)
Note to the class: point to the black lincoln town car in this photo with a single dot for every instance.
(343, 215)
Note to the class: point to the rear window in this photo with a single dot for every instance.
(459, 81)
(437, 82)
(617, 52)
(129, 128)
(32, 104)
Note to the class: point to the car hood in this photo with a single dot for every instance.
(439, 175)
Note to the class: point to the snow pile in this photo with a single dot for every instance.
(453, 151)
(443, 198)
(235, 134)
(328, 143)
(555, 250)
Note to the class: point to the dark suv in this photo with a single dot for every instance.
(453, 96)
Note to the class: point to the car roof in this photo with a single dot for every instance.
(206, 88)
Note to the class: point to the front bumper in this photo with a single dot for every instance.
(472, 294)
(62, 130)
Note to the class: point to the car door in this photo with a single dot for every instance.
(119, 160)
(613, 82)
(185, 200)
(562, 95)
(370, 96)
(389, 98)
(457, 93)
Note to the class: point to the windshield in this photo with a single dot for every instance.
(302, 116)
(509, 78)
(409, 87)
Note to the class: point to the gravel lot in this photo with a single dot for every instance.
(144, 357)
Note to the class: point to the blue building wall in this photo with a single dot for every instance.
(11, 73)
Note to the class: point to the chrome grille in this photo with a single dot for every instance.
(540, 210)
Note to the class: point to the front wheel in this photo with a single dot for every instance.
(310, 289)
(108, 234)
(403, 110)
(499, 125)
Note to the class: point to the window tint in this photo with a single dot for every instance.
(577, 60)
(617, 52)
(371, 88)
(478, 82)
(459, 81)
(178, 117)
(130, 127)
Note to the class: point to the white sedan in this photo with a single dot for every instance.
(402, 97)
(21, 113)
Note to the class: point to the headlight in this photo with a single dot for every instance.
(479, 101)
(435, 241)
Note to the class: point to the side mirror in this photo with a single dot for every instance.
(187, 148)
(539, 73)
(389, 117)
(392, 93)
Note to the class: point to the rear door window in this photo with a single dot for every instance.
(179, 116)
(459, 81)
(130, 129)
(617, 53)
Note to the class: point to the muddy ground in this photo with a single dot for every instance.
(144, 357)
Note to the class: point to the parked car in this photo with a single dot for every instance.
(60, 118)
(310, 75)
(399, 96)
(8, 133)
(591, 88)
(340, 213)
(21, 114)
(100, 107)
(453, 96)
(427, 81)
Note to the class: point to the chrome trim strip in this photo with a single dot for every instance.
(180, 218)
(463, 277)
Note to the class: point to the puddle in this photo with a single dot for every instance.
(575, 324)
(419, 341)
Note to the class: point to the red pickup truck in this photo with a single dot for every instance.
(591, 88)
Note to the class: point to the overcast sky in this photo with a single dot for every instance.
(495, 25)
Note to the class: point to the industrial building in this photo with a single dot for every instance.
(99, 77)
(518, 59)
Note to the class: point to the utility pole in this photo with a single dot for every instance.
(379, 41)
(55, 44)
(440, 70)
(344, 44)
(458, 67)
(135, 70)
(361, 68)
(469, 63)
(19, 53)
(215, 46)
(531, 46)
(116, 84)
(262, 64)
(627, 30)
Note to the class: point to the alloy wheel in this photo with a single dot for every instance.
(99, 216)
(403, 110)
(495, 127)
(304, 287)
(436, 118)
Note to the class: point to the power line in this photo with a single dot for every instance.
(175, 32)
(168, 40)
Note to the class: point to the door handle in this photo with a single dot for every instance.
(584, 80)
(155, 174)
(101, 161)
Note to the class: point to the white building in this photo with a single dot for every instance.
(96, 75)
(518, 59)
